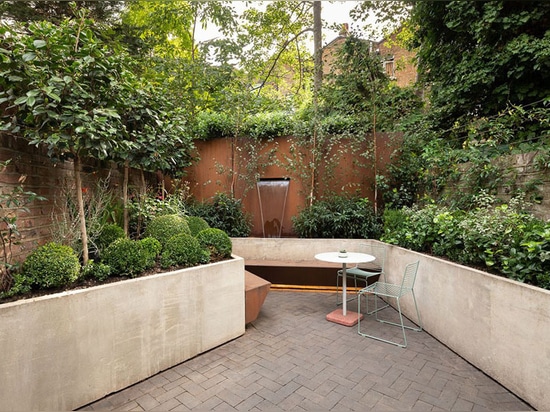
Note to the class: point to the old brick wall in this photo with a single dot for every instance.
(47, 179)
(404, 66)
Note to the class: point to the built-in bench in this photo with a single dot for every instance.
(255, 292)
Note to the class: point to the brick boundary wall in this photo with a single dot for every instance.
(47, 179)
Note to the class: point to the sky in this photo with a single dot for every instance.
(332, 12)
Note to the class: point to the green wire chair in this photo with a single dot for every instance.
(363, 271)
(388, 290)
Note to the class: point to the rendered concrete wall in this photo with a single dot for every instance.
(62, 351)
(499, 325)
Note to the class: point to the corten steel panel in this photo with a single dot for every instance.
(348, 174)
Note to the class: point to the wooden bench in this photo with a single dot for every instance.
(300, 274)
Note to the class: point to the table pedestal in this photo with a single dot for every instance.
(350, 319)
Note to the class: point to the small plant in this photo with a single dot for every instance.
(196, 224)
(151, 249)
(217, 242)
(98, 271)
(109, 233)
(183, 250)
(164, 227)
(338, 217)
(101, 207)
(146, 206)
(51, 265)
(11, 203)
(126, 257)
(224, 212)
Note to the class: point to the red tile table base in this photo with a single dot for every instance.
(337, 316)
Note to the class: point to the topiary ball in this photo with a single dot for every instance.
(51, 265)
(164, 227)
(216, 241)
(183, 250)
(196, 224)
(109, 233)
(126, 257)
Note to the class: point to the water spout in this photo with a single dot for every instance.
(272, 194)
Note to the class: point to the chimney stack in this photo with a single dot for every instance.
(344, 30)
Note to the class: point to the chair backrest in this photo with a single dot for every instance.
(379, 252)
(410, 276)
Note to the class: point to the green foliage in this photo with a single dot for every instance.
(51, 265)
(12, 202)
(163, 227)
(183, 250)
(412, 227)
(101, 207)
(109, 233)
(20, 285)
(23, 11)
(338, 217)
(455, 39)
(126, 257)
(65, 96)
(267, 125)
(224, 212)
(99, 271)
(216, 241)
(151, 249)
(212, 125)
(502, 238)
(196, 224)
(144, 207)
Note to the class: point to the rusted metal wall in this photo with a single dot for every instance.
(231, 166)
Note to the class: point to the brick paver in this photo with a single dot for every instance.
(292, 358)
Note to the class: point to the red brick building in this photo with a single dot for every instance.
(399, 63)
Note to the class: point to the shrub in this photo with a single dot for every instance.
(224, 212)
(164, 227)
(51, 265)
(338, 217)
(413, 227)
(99, 271)
(216, 241)
(268, 125)
(213, 125)
(126, 257)
(502, 238)
(183, 250)
(196, 224)
(109, 233)
(151, 249)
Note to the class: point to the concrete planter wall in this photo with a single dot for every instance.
(499, 325)
(62, 351)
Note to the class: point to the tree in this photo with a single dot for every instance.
(57, 11)
(481, 57)
(61, 87)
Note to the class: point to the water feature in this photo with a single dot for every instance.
(272, 194)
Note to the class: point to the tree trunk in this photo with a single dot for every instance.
(317, 81)
(81, 214)
(125, 197)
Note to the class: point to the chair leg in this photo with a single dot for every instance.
(377, 308)
(401, 323)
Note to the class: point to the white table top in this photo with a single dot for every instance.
(352, 257)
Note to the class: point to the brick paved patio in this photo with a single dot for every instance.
(291, 358)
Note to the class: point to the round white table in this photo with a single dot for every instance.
(341, 315)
